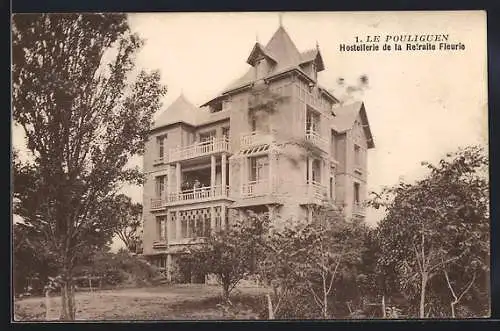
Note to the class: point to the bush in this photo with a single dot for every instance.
(120, 269)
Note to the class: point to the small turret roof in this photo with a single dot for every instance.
(346, 116)
(180, 111)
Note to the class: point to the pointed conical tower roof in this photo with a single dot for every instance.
(282, 49)
(180, 111)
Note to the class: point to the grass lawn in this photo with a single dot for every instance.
(169, 302)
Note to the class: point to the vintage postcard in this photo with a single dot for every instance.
(271, 165)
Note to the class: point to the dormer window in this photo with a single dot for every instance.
(226, 105)
(216, 107)
(260, 68)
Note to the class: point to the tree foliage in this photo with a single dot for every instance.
(436, 232)
(231, 254)
(84, 115)
(312, 258)
(128, 219)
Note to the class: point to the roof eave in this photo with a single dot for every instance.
(366, 127)
(330, 95)
(212, 100)
(257, 48)
(237, 89)
(163, 126)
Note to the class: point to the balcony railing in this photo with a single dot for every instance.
(199, 149)
(157, 203)
(315, 190)
(314, 138)
(256, 188)
(198, 194)
(158, 160)
(255, 138)
(162, 243)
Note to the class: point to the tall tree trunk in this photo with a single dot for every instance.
(325, 308)
(423, 286)
(383, 307)
(67, 297)
(325, 304)
(47, 304)
(453, 309)
(270, 307)
(225, 291)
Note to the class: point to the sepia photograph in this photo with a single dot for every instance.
(249, 166)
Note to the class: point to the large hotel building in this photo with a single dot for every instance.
(273, 141)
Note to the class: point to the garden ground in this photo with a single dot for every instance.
(168, 302)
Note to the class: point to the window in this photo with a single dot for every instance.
(332, 188)
(313, 175)
(191, 230)
(226, 105)
(316, 171)
(217, 107)
(356, 193)
(253, 121)
(161, 262)
(184, 226)
(160, 185)
(314, 71)
(207, 136)
(259, 168)
(332, 183)
(357, 156)
(260, 67)
(206, 227)
(225, 132)
(173, 229)
(312, 121)
(161, 227)
(259, 122)
(160, 142)
(333, 147)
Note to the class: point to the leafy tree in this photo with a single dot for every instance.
(311, 257)
(128, 217)
(84, 116)
(31, 259)
(231, 254)
(437, 226)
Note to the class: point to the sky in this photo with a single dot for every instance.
(420, 104)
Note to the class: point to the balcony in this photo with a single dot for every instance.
(310, 193)
(315, 190)
(314, 138)
(158, 161)
(199, 149)
(255, 138)
(197, 195)
(157, 203)
(255, 189)
(162, 243)
(190, 240)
